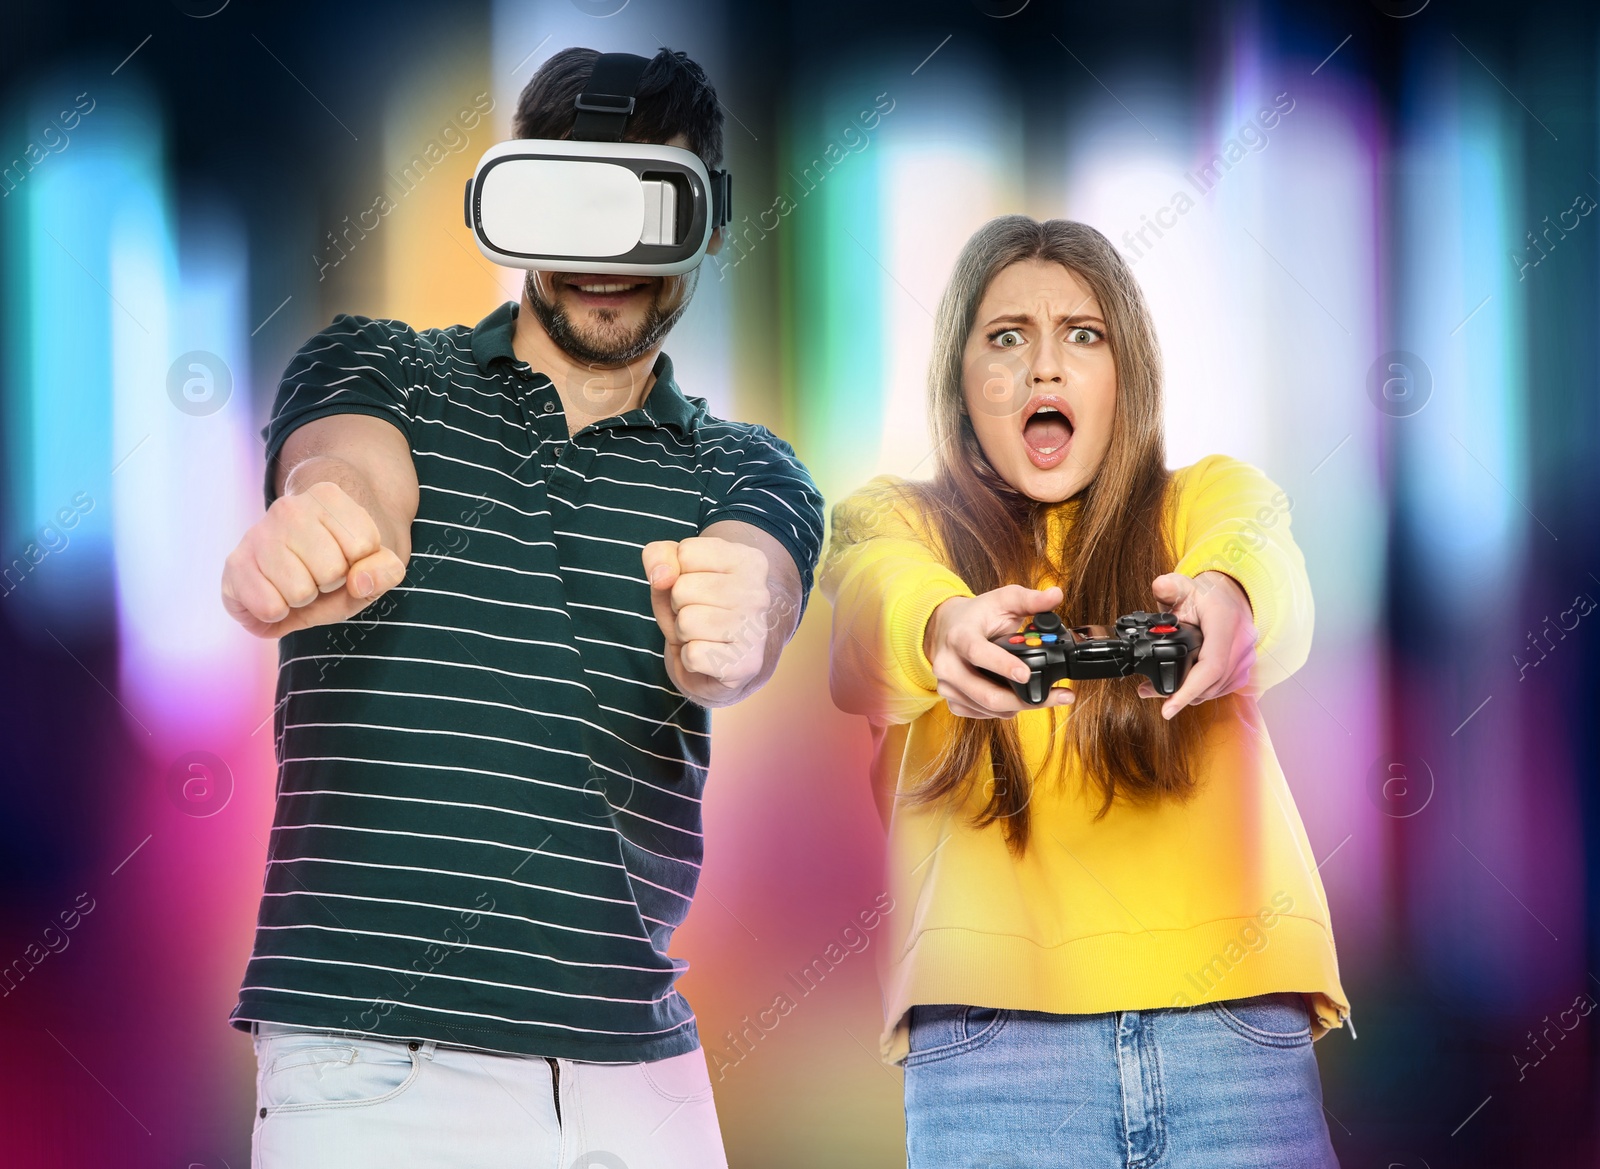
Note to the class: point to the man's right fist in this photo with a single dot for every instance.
(315, 558)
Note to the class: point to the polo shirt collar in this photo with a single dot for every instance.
(665, 405)
(491, 337)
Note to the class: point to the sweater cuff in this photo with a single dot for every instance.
(1254, 577)
(908, 624)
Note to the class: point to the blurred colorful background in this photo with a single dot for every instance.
(1365, 232)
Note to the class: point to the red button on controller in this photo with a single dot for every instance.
(1163, 629)
(1017, 639)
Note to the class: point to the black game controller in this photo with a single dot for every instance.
(1156, 645)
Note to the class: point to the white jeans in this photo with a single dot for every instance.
(329, 1098)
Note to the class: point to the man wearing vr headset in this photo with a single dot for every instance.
(512, 567)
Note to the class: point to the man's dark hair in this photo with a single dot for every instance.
(674, 97)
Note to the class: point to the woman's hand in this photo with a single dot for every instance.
(958, 642)
(1215, 602)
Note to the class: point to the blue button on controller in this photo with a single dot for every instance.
(1047, 638)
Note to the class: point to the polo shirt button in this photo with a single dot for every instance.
(561, 449)
(549, 407)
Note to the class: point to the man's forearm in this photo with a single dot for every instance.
(782, 617)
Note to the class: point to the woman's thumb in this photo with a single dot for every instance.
(1024, 602)
(1169, 588)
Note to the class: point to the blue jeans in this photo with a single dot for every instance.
(1223, 1086)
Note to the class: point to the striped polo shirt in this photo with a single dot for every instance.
(488, 818)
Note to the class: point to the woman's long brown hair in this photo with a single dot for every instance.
(1116, 544)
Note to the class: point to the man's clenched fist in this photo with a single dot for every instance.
(713, 603)
(315, 558)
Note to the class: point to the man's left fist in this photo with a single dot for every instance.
(712, 602)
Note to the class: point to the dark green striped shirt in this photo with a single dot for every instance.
(488, 806)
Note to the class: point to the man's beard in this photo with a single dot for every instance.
(613, 347)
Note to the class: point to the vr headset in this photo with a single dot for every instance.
(594, 203)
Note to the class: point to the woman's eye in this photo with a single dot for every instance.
(1010, 339)
(1082, 335)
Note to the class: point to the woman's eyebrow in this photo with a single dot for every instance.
(1026, 319)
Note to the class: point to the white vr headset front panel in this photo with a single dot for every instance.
(628, 208)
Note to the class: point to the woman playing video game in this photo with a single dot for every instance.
(1112, 947)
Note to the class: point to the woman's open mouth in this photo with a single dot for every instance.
(1046, 430)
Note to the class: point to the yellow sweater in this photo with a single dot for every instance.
(1181, 903)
